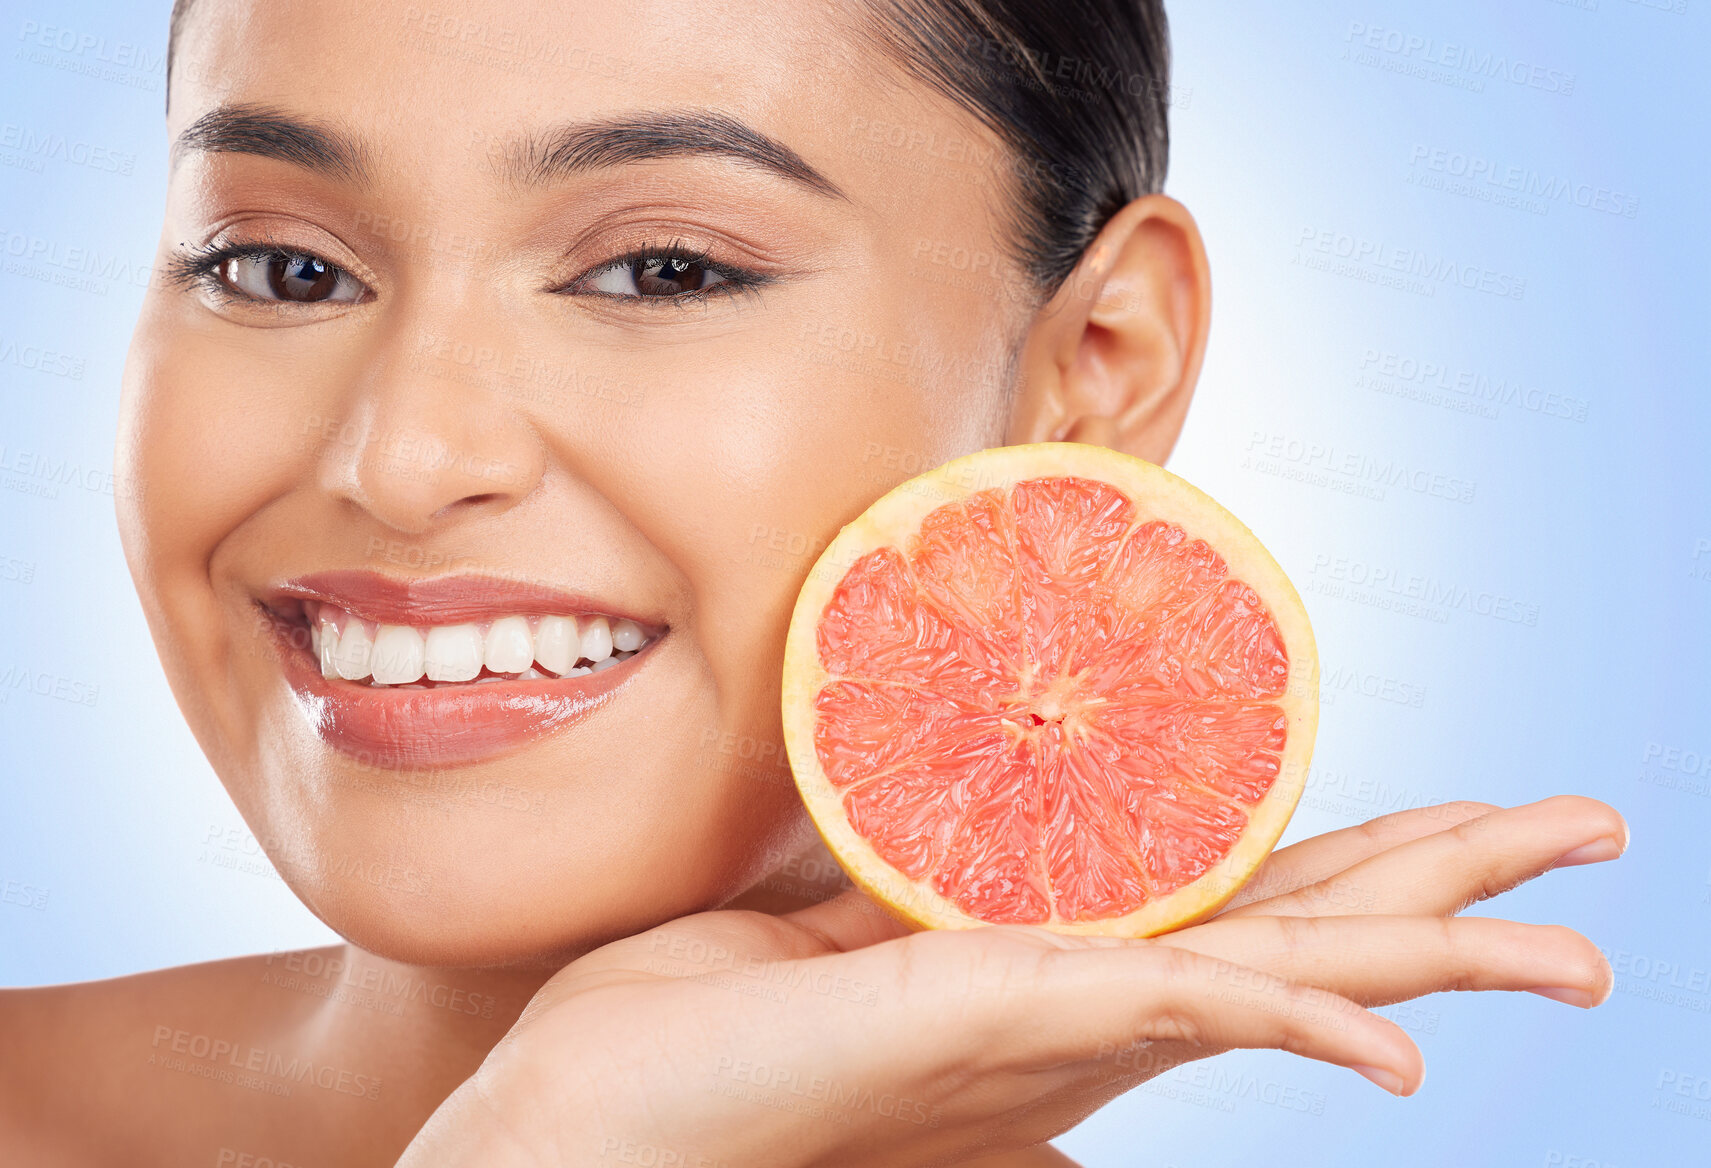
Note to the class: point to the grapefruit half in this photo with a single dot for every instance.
(1049, 684)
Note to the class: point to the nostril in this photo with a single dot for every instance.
(477, 500)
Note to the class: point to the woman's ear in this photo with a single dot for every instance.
(1113, 357)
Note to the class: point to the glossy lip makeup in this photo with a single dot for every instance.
(447, 671)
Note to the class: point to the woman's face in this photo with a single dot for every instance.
(587, 350)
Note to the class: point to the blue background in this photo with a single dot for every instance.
(1455, 383)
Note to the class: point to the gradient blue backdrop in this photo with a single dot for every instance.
(1456, 383)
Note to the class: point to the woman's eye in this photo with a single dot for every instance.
(655, 276)
(294, 278)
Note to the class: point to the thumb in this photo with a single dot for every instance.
(850, 920)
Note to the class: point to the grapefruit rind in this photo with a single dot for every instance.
(1157, 494)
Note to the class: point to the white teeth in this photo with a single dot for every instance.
(398, 654)
(510, 647)
(557, 643)
(596, 640)
(348, 647)
(324, 648)
(627, 636)
(353, 657)
(453, 653)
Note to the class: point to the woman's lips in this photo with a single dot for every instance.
(442, 600)
(400, 729)
(449, 724)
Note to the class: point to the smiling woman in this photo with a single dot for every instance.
(486, 426)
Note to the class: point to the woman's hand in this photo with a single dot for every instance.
(832, 1036)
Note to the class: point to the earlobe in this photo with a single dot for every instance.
(1113, 358)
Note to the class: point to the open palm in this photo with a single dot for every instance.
(835, 1036)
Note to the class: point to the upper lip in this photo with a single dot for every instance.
(440, 600)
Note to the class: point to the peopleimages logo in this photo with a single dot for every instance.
(1412, 53)
(1522, 180)
(41, 360)
(1403, 375)
(257, 1060)
(1371, 259)
(72, 152)
(83, 268)
(43, 474)
(1354, 579)
(78, 43)
(789, 1083)
(1267, 450)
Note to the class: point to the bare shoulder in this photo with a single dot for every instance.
(1043, 1156)
(86, 1066)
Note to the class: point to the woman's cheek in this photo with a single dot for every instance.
(209, 434)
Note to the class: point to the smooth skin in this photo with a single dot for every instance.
(1003, 1037)
(522, 969)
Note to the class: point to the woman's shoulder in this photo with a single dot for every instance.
(86, 1067)
(1043, 1156)
(101, 1015)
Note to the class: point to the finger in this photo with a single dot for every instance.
(850, 920)
(1085, 1000)
(1376, 960)
(726, 939)
(1445, 872)
(1314, 859)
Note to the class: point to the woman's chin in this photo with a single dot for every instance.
(465, 931)
(480, 894)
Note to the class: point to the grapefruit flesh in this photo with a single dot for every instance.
(1049, 684)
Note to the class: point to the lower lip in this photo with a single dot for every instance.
(401, 729)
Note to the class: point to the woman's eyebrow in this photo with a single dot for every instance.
(530, 161)
(250, 128)
(577, 147)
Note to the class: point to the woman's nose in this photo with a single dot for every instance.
(420, 450)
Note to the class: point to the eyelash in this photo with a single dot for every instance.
(740, 282)
(198, 266)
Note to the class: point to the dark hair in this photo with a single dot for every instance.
(1078, 90)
